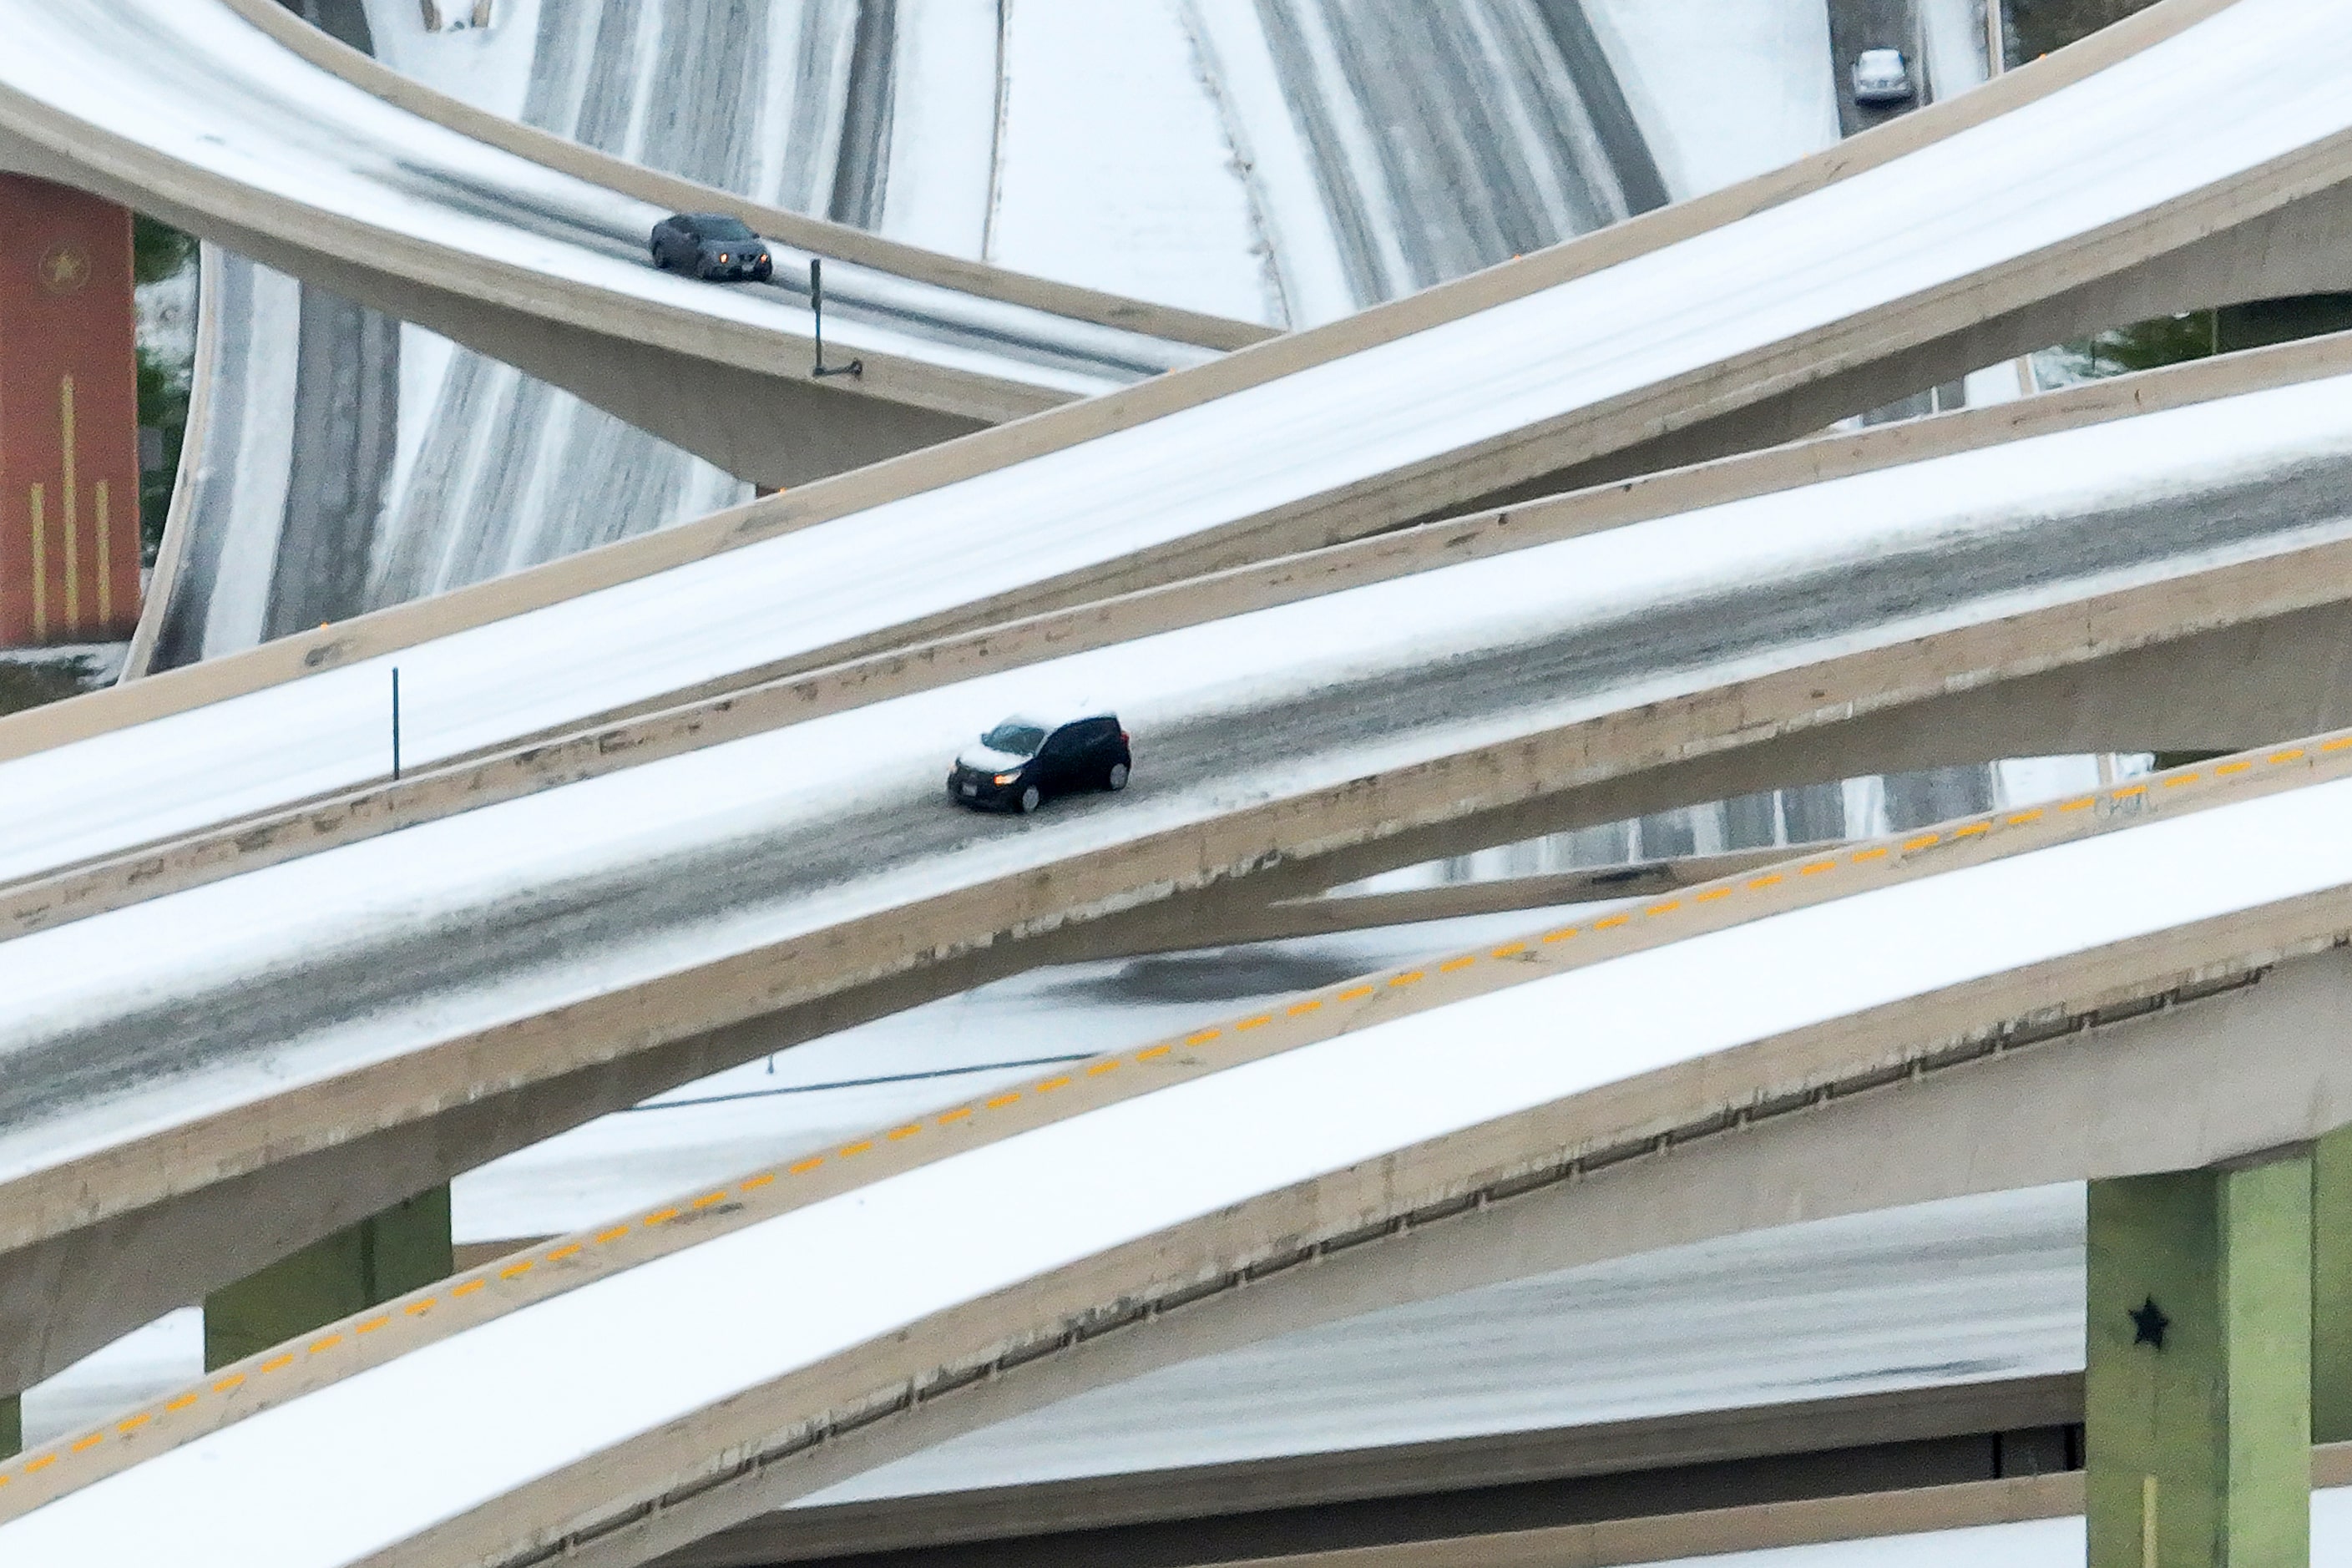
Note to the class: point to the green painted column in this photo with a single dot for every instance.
(2198, 1399)
(387, 1255)
(2331, 1289)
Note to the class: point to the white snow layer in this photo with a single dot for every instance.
(1722, 92)
(2185, 115)
(1115, 166)
(943, 127)
(672, 1336)
(632, 824)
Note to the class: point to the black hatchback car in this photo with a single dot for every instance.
(1024, 763)
(711, 246)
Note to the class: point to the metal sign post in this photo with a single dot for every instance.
(855, 367)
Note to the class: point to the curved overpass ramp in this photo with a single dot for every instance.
(1958, 995)
(192, 113)
(316, 1038)
(1858, 265)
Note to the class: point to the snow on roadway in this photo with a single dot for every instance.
(633, 831)
(489, 68)
(1115, 169)
(1723, 92)
(944, 128)
(813, 587)
(1969, 1289)
(667, 1337)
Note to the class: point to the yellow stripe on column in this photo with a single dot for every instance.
(72, 517)
(105, 557)
(40, 565)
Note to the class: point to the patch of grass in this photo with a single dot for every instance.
(158, 250)
(2038, 26)
(27, 684)
(163, 403)
(2199, 335)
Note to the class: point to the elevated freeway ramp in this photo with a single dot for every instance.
(2137, 980)
(317, 1038)
(193, 113)
(1954, 236)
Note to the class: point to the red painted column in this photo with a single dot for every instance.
(68, 418)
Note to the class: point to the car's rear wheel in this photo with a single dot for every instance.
(1117, 778)
(1030, 799)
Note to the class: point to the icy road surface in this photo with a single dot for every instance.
(213, 997)
(668, 1338)
(2251, 84)
(198, 84)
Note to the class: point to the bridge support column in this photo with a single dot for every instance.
(12, 1424)
(386, 1255)
(2199, 1396)
(2331, 1289)
(68, 418)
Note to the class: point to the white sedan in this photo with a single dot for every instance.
(1881, 75)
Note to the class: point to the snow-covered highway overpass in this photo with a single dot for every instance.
(319, 1036)
(2134, 980)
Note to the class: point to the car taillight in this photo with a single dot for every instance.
(1122, 737)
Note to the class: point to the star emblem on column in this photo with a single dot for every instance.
(2149, 1323)
(65, 268)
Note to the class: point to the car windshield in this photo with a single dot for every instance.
(1015, 736)
(715, 228)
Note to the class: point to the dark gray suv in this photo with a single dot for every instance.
(711, 246)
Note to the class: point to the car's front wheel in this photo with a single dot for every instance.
(1031, 798)
(1117, 778)
(763, 272)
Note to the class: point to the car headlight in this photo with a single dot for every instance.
(722, 255)
(763, 260)
(1006, 778)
